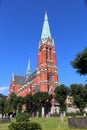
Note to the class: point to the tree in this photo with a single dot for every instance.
(79, 96)
(61, 93)
(13, 101)
(20, 102)
(2, 106)
(28, 100)
(85, 86)
(40, 99)
(80, 62)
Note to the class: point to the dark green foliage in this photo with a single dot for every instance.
(12, 101)
(73, 114)
(80, 62)
(47, 106)
(35, 126)
(25, 126)
(29, 103)
(22, 117)
(20, 102)
(86, 93)
(41, 96)
(14, 104)
(61, 93)
(3, 107)
(79, 93)
(40, 99)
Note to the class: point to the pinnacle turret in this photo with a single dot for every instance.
(28, 70)
(13, 77)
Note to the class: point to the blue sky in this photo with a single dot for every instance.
(21, 24)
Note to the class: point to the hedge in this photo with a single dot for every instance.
(24, 126)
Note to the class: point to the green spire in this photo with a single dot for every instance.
(13, 77)
(46, 33)
(28, 70)
(46, 29)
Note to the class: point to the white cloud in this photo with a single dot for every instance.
(2, 89)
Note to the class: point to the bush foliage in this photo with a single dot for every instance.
(22, 117)
(24, 126)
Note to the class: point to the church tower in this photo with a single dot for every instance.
(45, 77)
(46, 74)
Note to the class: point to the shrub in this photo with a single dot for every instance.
(75, 114)
(24, 126)
(71, 114)
(22, 117)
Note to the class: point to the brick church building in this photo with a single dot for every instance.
(45, 77)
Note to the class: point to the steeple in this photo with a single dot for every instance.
(46, 32)
(46, 29)
(28, 70)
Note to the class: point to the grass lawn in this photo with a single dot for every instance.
(47, 124)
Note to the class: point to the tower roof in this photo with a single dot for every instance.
(46, 33)
(46, 29)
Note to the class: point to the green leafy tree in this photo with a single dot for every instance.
(61, 93)
(13, 101)
(40, 100)
(3, 106)
(85, 86)
(80, 62)
(28, 100)
(20, 102)
(79, 96)
(40, 97)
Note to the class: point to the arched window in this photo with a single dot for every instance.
(49, 78)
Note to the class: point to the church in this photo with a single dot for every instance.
(45, 77)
